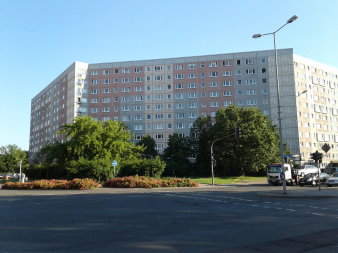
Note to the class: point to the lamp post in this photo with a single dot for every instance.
(255, 36)
(212, 159)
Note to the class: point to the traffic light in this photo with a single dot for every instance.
(238, 132)
(317, 156)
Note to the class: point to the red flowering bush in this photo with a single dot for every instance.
(147, 182)
(76, 184)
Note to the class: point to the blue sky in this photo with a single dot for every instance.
(40, 39)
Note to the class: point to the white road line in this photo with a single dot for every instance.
(319, 214)
(291, 210)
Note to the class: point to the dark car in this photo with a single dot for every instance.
(312, 179)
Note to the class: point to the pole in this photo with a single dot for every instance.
(318, 174)
(281, 149)
(20, 177)
(212, 164)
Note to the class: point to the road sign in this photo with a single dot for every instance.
(326, 147)
(114, 163)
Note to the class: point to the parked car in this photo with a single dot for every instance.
(333, 180)
(306, 169)
(312, 179)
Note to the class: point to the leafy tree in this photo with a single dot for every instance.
(200, 141)
(257, 147)
(10, 157)
(150, 146)
(176, 156)
(143, 167)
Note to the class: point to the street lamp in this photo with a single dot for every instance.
(255, 36)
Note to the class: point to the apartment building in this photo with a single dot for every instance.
(165, 96)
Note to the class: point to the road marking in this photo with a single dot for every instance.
(319, 214)
(291, 210)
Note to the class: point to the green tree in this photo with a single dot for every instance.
(176, 156)
(10, 157)
(91, 146)
(257, 147)
(200, 141)
(143, 167)
(149, 145)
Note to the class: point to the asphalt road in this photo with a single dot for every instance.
(228, 219)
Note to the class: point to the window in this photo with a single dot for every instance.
(138, 127)
(214, 94)
(148, 78)
(148, 68)
(202, 65)
(178, 67)
(106, 118)
(250, 71)
(179, 96)
(94, 73)
(252, 102)
(179, 115)
(125, 99)
(214, 104)
(116, 71)
(159, 136)
(192, 105)
(191, 66)
(94, 91)
(265, 91)
(125, 108)
(192, 95)
(213, 64)
(168, 77)
(203, 94)
(126, 89)
(138, 98)
(138, 69)
(158, 78)
(93, 82)
(193, 115)
(227, 73)
(202, 75)
(105, 109)
(137, 79)
(138, 108)
(226, 63)
(250, 81)
(239, 92)
(180, 125)
(116, 90)
(251, 92)
(192, 85)
(126, 80)
(159, 116)
(263, 70)
(94, 110)
(106, 100)
(214, 84)
(138, 88)
(227, 93)
(179, 106)
(239, 82)
(249, 61)
(106, 81)
(158, 96)
(159, 126)
(263, 60)
(158, 68)
(126, 71)
(158, 106)
(202, 85)
(106, 72)
(158, 87)
(227, 83)
(138, 117)
(238, 73)
(192, 76)
(116, 80)
(213, 74)
(94, 100)
(227, 103)
(238, 62)
(264, 80)
(179, 76)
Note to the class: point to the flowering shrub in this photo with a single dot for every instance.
(147, 182)
(77, 184)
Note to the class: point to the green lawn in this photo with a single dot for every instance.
(228, 180)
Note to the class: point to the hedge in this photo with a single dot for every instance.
(75, 184)
(146, 182)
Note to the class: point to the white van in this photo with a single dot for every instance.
(274, 174)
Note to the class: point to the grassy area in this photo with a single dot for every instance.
(228, 180)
